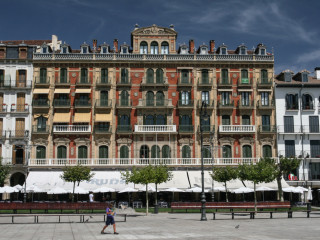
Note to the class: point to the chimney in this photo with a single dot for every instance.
(115, 45)
(191, 46)
(212, 45)
(94, 44)
(317, 71)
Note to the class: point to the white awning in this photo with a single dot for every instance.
(82, 117)
(83, 90)
(41, 91)
(273, 184)
(62, 90)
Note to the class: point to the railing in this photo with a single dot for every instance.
(163, 82)
(185, 82)
(19, 108)
(290, 154)
(226, 105)
(205, 82)
(264, 83)
(16, 84)
(155, 103)
(124, 81)
(3, 134)
(62, 80)
(155, 128)
(245, 104)
(40, 103)
(185, 103)
(123, 103)
(104, 81)
(72, 128)
(267, 128)
(207, 128)
(84, 81)
(140, 161)
(296, 129)
(102, 129)
(269, 105)
(224, 82)
(186, 128)
(5, 84)
(82, 103)
(242, 82)
(208, 104)
(312, 154)
(40, 129)
(103, 103)
(18, 133)
(3, 108)
(42, 80)
(311, 129)
(61, 103)
(237, 128)
(124, 129)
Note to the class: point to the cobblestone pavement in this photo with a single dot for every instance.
(167, 226)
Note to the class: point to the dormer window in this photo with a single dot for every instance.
(203, 50)
(262, 51)
(243, 51)
(45, 49)
(223, 51)
(84, 49)
(287, 76)
(124, 49)
(104, 50)
(183, 50)
(304, 77)
(64, 50)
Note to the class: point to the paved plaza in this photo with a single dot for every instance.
(168, 226)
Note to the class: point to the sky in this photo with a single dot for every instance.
(289, 28)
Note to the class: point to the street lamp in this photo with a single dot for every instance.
(203, 117)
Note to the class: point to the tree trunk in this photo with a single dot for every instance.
(156, 194)
(255, 197)
(225, 184)
(74, 186)
(280, 189)
(147, 200)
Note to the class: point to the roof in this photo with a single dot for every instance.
(312, 81)
(27, 42)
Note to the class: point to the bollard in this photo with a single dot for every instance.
(156, 210)
(308, 206)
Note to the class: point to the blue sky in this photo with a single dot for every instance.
(290, 27)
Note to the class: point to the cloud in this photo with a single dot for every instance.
(314, 55)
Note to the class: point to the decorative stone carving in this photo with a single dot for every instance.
(136, 75)
(226, 140)
(123, 141)
(62, 141)
(102, 141)
(184, 141)
(73, 74)
(82, 141)
(246, 140)
(40, 141)
(264, 141)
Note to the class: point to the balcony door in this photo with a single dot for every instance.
(159, 75)
(62, 152)
(288, 124)
(43, 75)
(265, 123)
(155, 151)
(184, 76)
(104, 75)
(290, 148)
(1, 78)
(21, 78)
(20, 127)
(315, 148)
(144, 151)
(266, 151)
(63, 75)
(150, 76)
(226, 151)
(160, 98)
(17, 154)
(166, 153)
(225, 120)
(124, 152)
(205, 97)
(185, 98)
(83, 152)
(246, 120)
(205, 76)
(264, 99)
(186, 152)
(41, 124)
(124, 75)
(84, 75)
(41, 152)
(104, 98)
(103, 152)
(124, 97)
(314, 124)
(21, 100)
(246, 151)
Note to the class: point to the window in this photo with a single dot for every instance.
(205, 124)
(166, 153)
(84, 49)
(1, 77)
(143, 48)
(315, 170)
(185, 98)
(84, 75)
(288, 124)
(161, 120)
(159, 75)
(313, 124)
(265, 119)
(287, 76)
(164, 48)
(144, 151)
(245, 120)
(43, 75)
(245, 98)
(264, 76)
(224, 76)
(206, 152)
(103, 152)
(243, 51)
(186, 152)
(205, 97)
(104, 98)
(64, 50)
(155, 151)
(160, 98)
(150, 76)
(267, 151)
(225, 98)
(262, 51)
(41, 152)
(184, 76)
(124, 120)
(44, 50)
(124, 75)
(183, 50)
(223, 51)
(264, 98)
(246, 151)
(315, 148)
(124, 152)
(41, 124)
(149, 120)
(244, 76)
(205, 76)
(225, 120)
(290, 151)
(154, 48)
(307, 102)
(62, 152)
(185, 120)
(304, 76)
(150, 98)
(104, 50)
(83, 152)
(124, 98)
(204, 50)
(124, 50)
(226, 151)
(292, 102)
(63, 75)
(104, 75)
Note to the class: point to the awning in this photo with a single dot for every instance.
(61, 117)
(103, 117)
(83, 90)
(62, 90)
(273, 184)
(82, 117)
(41, 91)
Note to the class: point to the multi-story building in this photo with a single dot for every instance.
(122, 106)
(16, 77)
(297, 106)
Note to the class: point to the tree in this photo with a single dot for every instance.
(263, 171)
(76, 174)
(4, 172)
(224, 174)
(161, 175)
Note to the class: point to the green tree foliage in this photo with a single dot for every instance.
(263, 171)
(76, 174)
(4, 172)
(224, 174)
(162, 174)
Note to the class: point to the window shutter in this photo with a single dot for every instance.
(296, 101)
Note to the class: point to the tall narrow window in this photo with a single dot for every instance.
(1, 78)
(267, 151)
(149, 120)
(314, 124)
(265, 123)
(160, 120)
(245, 98)
(159, 75)
(292, 102)
(290, 151)
(62, 152)
(124, 120)
(124, 75)
(154, 48)
(164, 48)
(205, 76)
(41, 124)
(224, 76)
(244, 76)
(226, 151)
(315, 148)
(205, 124)
(288, 124)
(43, 75)
(264, 98)
(205, 97)
(160, 98)
(186, 152)
(150, 76)
(104, 98)
(124, 98)
(144, 151)
(21, 78)
(103, 152)
(104, 75)
(264, 76)
(83, 152)
(245, 120)
(166, 153)
(184, 76)
(225, 120)
(246, 151)
(41, 152)
(63, 75)
(304, 77)
(225, 98)
(155, 151)
(185, 98)
(84, 75)
(143, 48)
(150, 98)
(124, 152)
(307, 102)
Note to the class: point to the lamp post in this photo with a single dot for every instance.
(203, 117)
(212, 152)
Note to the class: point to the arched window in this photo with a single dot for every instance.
(84, 75)
(150, 120)
(264, 76)
(144, 151)
(244, 76)
(160, 120)
(164, 48)
(206, 152)
(43, 75)
(124, 152)
(124, 98)
(226, 151)
(246, 151)
(41, 152)
(154, 48)
(150, 76)
(104, 75)
(186, 152)
(266, 151)
(166, 153)
(150, 98)
(124, 75)
(160, 98)
(205, 76)
(307, 102)
(82, 152)
(245, 120)
(63, 75)
(159, 75)
(103, 152)
(224, 76)
(143, 48)
(155, 151)
(62, 152)
(292, 101)
(184, 76)
(124, 120)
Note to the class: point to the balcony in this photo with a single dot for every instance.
(166, 103)
(103, 104)
(40, 103)
(124, 82)
(312, 155)
(207, 129)
(82, 103)
(20, 108)
(102, 129)
(21, 84)
(183, 82)
(205, 82)
(209, 105)
(124, 103)
(3, 135)
(124, 129)
(225, 105)
(40, 129)
(311, 129)
(3, 109)
(224, 83)
(103, 82)
(267, 129)
(61, 103)
(42, 82)
(245, 82)
(245, 105)
(237, 129)
(290, 154)
(186, 129)
(76, 129)
(264, 83)
(62, 81)
(269, 105)
(18, 134)
(289, 129)
(155, 129)
(154, 84)
(84, 82)
(185, 104)
(5, 84)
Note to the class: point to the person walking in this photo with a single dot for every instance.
(91, 198)
(110, 220)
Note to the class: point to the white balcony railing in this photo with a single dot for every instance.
(72, 128)
(140, 161)
(237, 128)
(289, 129)
(155, 128)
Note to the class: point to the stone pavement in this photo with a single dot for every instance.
(169, 226)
